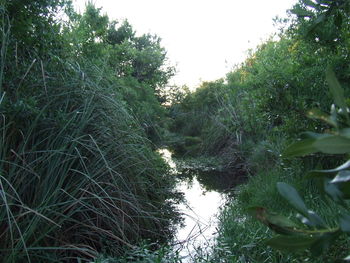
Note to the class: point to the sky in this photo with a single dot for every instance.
(204, 39)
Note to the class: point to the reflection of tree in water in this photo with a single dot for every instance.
(217, 180)
(211, 179)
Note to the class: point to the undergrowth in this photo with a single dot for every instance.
(78, 175)
(242, 238)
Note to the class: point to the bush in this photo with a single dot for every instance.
(78, 176)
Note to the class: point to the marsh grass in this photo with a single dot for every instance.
(77, 175)
(143, 253)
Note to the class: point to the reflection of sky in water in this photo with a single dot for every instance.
(166, 154)
(199, 212)
(200, 217)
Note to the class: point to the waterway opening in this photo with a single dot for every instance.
(205, 191)
(200, 219)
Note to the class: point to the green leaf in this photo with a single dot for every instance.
(320, 19)
(278, 223)
(323, 243)
(312, 135)
(320, 115)
(310, 3)
(283, 224)
(312, 220)
(339, 191)
(304, 220)
(249, 246)
(300, 12)
(300, 148)
(342, 167)
(333, 191)
(315, 219)
(334, 113)
(292, 243)
(342, 176)
(324, 2)
(345, 132)
(336, 90)
(345, 223)
(344, 187)
(338, 20)
(332, 144)
(322, 173)
(292, 196)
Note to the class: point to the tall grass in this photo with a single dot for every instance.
(241, 238)
(77, 176)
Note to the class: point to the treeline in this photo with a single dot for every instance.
(249, 117)
(271, 92)
(80, 107)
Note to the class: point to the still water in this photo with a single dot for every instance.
(204, 196)
(200, 218)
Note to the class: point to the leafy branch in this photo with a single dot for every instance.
(312, 231)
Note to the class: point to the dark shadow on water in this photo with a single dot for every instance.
(211, 179)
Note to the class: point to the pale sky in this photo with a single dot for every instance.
(204, 38)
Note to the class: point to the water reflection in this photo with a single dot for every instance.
(211, 179)
(200, 219)
(166, 154)
(204, 195)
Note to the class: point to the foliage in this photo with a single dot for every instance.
(241, 238)
(78, 176)
(144, 253)
(206, 116)
(325, 22)
(138, 63)
(322, 25)
(33, 25)
(268, 97)
(316, 235)
(139, 57)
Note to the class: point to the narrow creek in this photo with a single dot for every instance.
(205, 193)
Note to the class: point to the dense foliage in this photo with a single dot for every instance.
(314, 232)
(252, 115)
(79, 102)
(83, 103)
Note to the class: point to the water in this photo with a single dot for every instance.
(204, 196)
(200, 218)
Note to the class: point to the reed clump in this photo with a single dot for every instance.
(78, 177)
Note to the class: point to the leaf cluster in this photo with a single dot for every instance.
(314, 233)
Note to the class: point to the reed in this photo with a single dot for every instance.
(77, 175)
